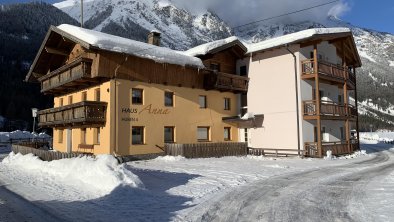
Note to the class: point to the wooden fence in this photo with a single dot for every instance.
(206, 150)
(43, 154)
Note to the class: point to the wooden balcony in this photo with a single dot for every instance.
(328, 110)
(226, 82)
(88, 113)
(71, 76)
(328, 71)
(337, 148)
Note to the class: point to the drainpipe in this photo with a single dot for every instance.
(115, 102)
(296, 91)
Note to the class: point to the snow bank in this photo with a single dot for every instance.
(207, 47)
(386, 137)
(122, 45)
(354, 155)
(102, 173)
(15, 135)
(294, 37)
(170, 158)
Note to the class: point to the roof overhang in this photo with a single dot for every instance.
(252, 122)
(332, 38)
(53, 39)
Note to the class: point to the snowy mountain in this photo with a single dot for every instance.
(134, 19)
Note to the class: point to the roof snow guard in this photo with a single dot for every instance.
(91, 39)
(215, 46)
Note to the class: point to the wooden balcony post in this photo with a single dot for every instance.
(345, 95)
(317, 93)
(356, 105)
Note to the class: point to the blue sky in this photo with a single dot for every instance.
(378, 14)
(373, 14)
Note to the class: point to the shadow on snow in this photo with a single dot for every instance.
(125, 203)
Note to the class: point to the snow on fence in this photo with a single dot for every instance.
(275, 152)
(43, 154)
(206, 150)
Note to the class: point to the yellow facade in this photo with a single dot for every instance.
(121, 115)
(104, 146)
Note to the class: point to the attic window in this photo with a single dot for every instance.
(215, 67)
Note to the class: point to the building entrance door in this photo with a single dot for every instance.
(69, 142)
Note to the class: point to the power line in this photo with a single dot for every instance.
(289, 13)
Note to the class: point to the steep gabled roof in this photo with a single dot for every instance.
(309, 35)
(91, 39)
(215, 46)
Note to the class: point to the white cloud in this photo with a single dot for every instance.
(238, 12)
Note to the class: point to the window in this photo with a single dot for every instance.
(227, 133)
(203, 134)
(342, 133)
(169, 99)
(137, 96)
(61, 102)
(97, 94)
(97, 136)
(312, 55)
(215, 67)
(83, 136)
(84, 96)
(227, 104)
(246, 134)
(321, 92)
(202, 100)
(60, 136)
(340, 99)
(137, 135)
(243, 71)
(70, 100)
(169, 135)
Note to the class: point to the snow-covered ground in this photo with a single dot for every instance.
(163, 189)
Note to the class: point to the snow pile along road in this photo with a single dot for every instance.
(22, 135)
(102, 174)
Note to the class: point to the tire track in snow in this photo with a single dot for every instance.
(317, 195)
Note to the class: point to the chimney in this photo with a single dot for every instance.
(154, 38)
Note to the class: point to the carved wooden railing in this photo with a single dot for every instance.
(328, 69)
(85, 113)
(226, 82)
(337, 148)
(78, 69)
(328, 109)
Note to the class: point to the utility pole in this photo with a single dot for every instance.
(81, 13)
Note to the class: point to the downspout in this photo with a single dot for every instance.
(296, 91)
(115, 102)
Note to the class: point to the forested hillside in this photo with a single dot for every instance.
(22, 29)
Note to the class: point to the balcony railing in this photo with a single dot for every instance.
(327, 69)
(328, 109)
(77, 70)
(337, 148)
(78, 114)
(226, 82)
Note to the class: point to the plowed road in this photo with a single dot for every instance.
(318, 195)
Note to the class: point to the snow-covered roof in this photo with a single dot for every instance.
(294, 37)
(212, 46)
(123, 45)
